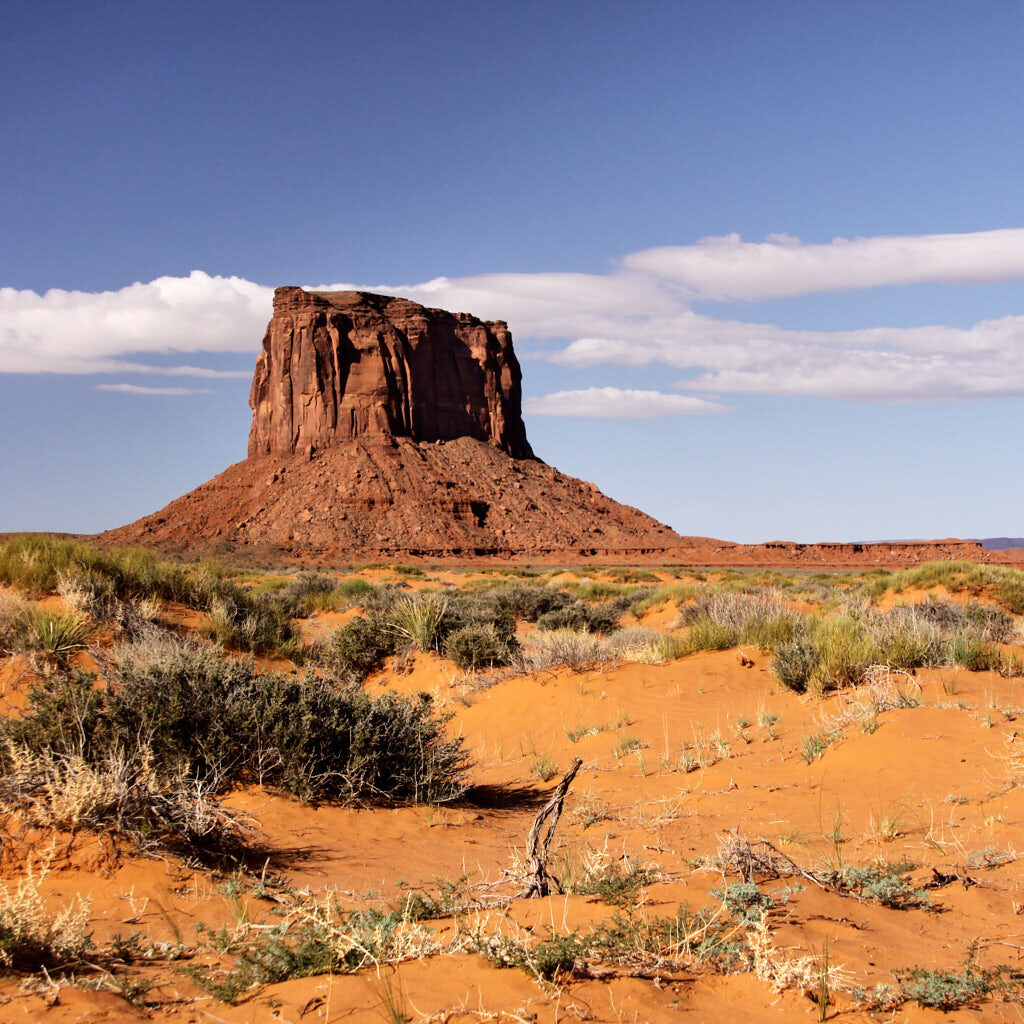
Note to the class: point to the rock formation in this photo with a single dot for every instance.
(341, 365)
(382, 428)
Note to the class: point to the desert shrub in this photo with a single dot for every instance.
(627, 600)
(359, 647)
(63, 715)
(707, 634)
(214, 720)
(476, 646)
(973, 653)
(632, 575)
(528, 602)
(344, 595)
(580, 616)
(1005, 585)
(645, 646)
(402, 569)
(119, 794)
(1009, 593)
(984, 620)
(381, 600)
(89, 592)
(906, 649)
(481, 609)
(306, 593)
(887, 884)
(257, 623)
(844, 653)
(37, 563)
(576, 649)
(613, 881)
(13, 615)
(322, 743)
(989, 622)
(736, 611)
(793, 661)
(564, 647)
(905, 640)
(323, 939)
(769, 629)
(951, 990)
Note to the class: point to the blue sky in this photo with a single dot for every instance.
(558, 165)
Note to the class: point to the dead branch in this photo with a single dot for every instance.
(537, 850)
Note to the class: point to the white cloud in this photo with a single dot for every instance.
(878, 364)
(138, 389)
(729, 268)
(638, 314)
(619, 403)
(86, 332)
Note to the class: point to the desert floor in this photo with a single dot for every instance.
(710, 798)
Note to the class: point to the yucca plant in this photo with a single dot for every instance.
(420, 619)
(59, 634)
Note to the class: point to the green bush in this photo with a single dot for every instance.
(197, 715)
(256, 623)
(360, 647)
(580, 616)
(705, 634)
(974, 654)
(951, 990)
(844, 653)
(308, 592)
(527, 602)
(476, 646)
(767, 631)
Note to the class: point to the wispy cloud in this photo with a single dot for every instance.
(729, 268)
(638, 314)
(138, 389)
(619, 403)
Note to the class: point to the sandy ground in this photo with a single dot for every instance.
(677, 759)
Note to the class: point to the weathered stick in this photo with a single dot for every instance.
(540, 879)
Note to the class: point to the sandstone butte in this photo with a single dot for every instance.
(385, 429)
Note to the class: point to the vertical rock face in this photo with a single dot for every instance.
(336, 366)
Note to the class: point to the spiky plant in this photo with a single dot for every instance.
(419, 619)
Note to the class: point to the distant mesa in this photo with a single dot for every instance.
(382, 428)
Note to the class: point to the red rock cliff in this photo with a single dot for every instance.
(340, 365)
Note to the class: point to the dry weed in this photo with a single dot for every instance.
(810, 974)
(32, 935)
(120, 794)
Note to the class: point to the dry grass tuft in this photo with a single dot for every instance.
(31, 935)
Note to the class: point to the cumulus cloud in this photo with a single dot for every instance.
(138, 389)
(619, 403)
(638, 314)
(88, 332)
